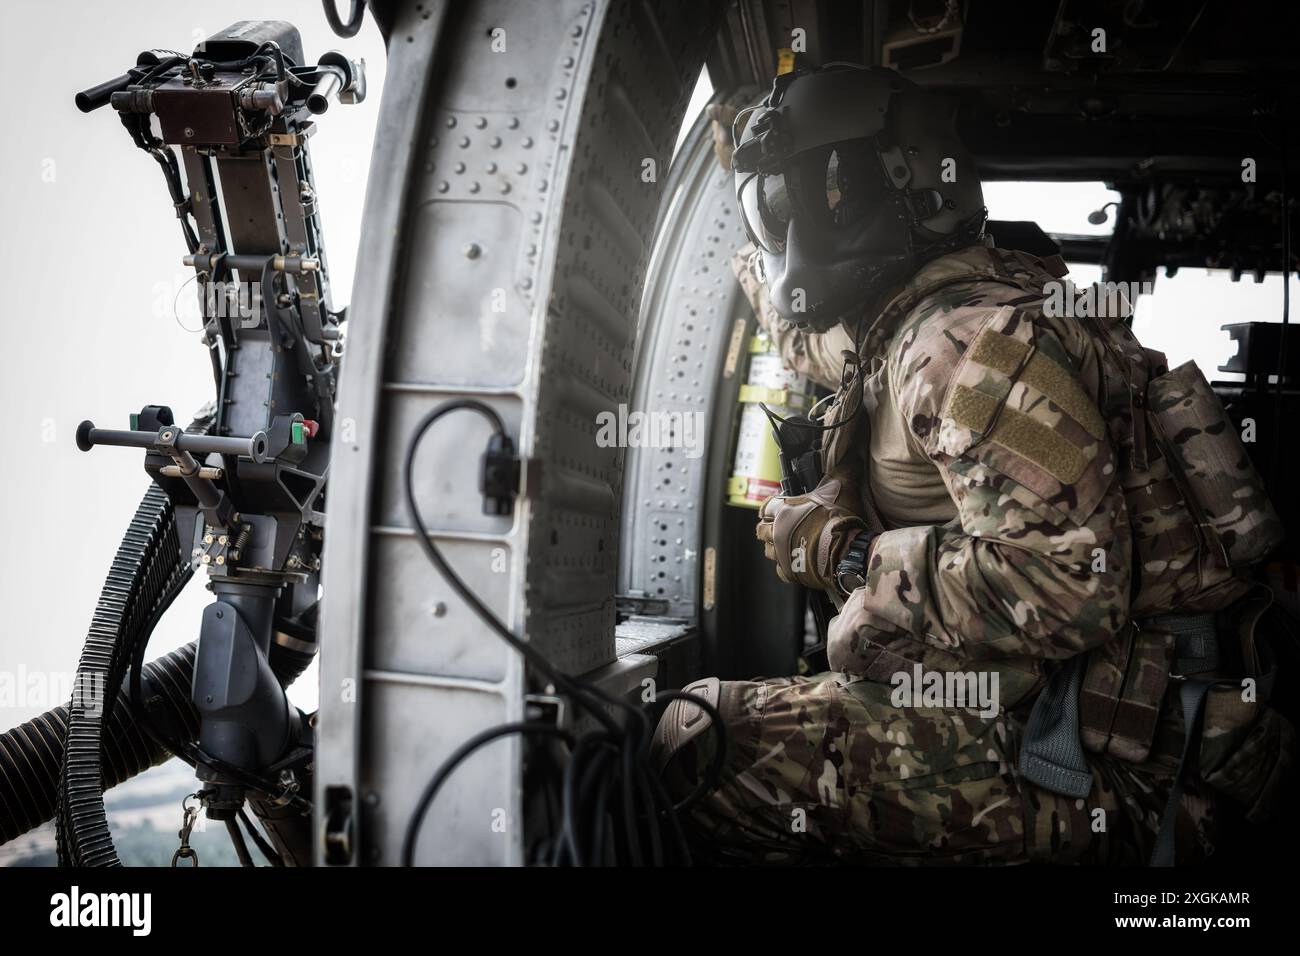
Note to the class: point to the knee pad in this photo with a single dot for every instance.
(683, 721)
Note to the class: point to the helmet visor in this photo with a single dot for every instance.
(839, 185)
(765, 208)
(831, 188)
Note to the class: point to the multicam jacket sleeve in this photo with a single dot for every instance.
(1005, 401)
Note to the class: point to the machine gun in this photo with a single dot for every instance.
(247, 486)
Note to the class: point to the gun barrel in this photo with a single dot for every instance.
(330, 82)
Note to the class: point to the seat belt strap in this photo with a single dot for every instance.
(1192, 694)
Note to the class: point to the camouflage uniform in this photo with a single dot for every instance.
(1056, 490)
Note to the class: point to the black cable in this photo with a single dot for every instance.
(356, 14)
(856, 381)
(276, 56)
(662, 799)
(461, 754)
(159, 68)
(137, 125)
(601, 825)
(631, 835)
(568, 838)
(180, 202)
(643, 798)
(423, 537)
(241, 848)
(593, 776)
(262, 843)
(651, 819)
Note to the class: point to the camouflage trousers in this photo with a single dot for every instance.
(826, 768)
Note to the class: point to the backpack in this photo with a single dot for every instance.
(1199, 516)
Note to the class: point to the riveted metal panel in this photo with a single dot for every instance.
(688, 318)
(647, 61)
(510, 271)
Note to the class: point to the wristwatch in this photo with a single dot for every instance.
(851, 572)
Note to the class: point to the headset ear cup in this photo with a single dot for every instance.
(923, 124)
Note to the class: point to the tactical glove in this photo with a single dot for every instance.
(806, 535)
(721, 117)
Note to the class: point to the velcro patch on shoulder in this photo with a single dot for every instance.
(1014, 430)
(1018, 408)
(1007, 355)
(983, 364)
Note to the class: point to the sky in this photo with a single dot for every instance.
(1183, 315)
(93, 253)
